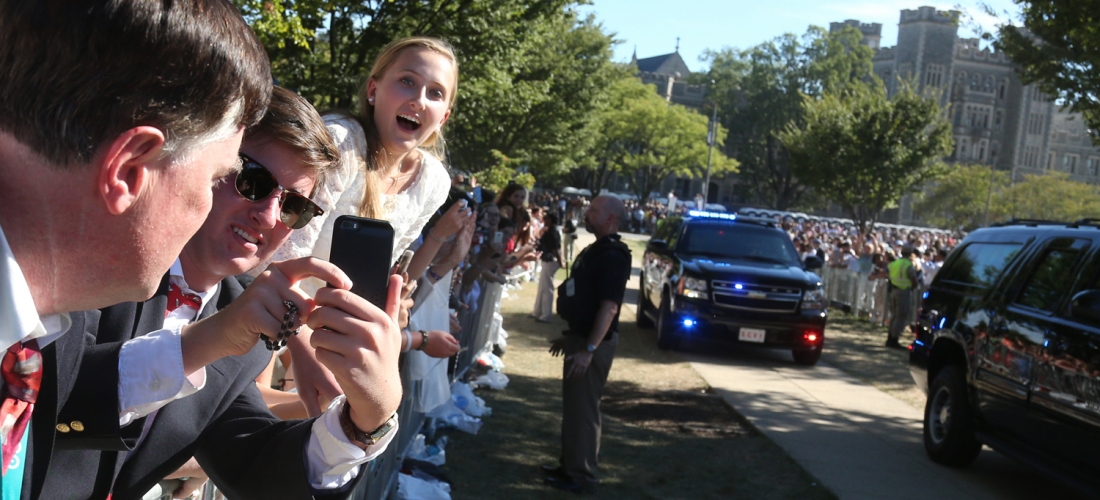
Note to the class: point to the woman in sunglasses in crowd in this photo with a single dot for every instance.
(389, 169)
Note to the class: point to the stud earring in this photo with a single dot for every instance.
(370, 100)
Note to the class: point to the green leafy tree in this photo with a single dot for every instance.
(646, 139)
(1058, 48)
(864, 151)
(1050, 197)
(961, 197)
(760, 92)
(532, 72)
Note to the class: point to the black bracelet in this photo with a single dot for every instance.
(285, 331)
(423, 340)
(433, 275)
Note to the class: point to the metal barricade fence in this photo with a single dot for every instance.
(855, 293)
(476, 333)
(381, 473)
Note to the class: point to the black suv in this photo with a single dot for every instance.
(1008, 349)
(731, 278)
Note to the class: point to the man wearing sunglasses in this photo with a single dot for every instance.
(226, 425)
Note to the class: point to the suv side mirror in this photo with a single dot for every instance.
(1086, 306)
(814, 262)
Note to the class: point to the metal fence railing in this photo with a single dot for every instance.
(855, 293)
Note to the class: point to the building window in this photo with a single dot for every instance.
(1069, 164)
(964, 149)
(975, 82)
(933, 75)
(977, 116)
(1031, 156)
(1094, 166)
(1037, 95)
(998, 118)
(980, 149)
(1002, 89)
(1050, 161)
(1035, 124)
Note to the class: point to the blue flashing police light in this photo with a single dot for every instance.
(688, 322)
(924, 295)
(943, 321)
(711, 215)
(738, 286)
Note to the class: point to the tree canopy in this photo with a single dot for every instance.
(864, 151)
(532, 73)
(959, 199)
(1058, 48)
(645, 139)
(760, 92)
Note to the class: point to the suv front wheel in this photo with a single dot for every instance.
(948, 420)
(666, 326)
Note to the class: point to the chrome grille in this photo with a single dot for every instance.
(754, 297)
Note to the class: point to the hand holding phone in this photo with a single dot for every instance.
(361, 247)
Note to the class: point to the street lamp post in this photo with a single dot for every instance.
(711, 133)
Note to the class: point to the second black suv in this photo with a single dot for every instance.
(1008, 350)
(734, 279)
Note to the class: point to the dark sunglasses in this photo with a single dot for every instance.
(255, 182)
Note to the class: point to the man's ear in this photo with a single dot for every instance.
(125, 169)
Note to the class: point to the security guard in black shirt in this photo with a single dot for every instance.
(589, 301)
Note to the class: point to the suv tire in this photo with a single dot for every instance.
(641, 319)
(807, 358)
(666, 327)
(948, 420)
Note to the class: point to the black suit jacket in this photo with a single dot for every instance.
(247, 451)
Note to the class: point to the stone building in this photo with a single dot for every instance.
(997, 119)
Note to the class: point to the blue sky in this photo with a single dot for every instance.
(652, 26)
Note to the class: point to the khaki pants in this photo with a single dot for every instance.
(581, 422)
(901, 311)
(544, 300)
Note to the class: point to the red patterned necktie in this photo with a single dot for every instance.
(177, 298)
(22, 371)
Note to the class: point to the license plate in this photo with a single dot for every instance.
(751, 335)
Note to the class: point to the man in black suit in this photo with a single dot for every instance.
(226, 425)
(115, 118)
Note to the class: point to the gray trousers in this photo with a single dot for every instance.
(581, 422)
(901, 311)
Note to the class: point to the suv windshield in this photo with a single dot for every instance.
(740, 241)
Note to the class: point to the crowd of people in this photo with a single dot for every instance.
(165, 223)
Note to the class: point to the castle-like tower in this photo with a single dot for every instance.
(997, 119)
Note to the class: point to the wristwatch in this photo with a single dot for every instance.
(591, 347)
(365, 439)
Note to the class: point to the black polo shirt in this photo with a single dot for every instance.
(599, 273)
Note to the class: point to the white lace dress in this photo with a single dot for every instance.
(342, 192)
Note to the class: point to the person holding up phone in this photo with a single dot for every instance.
(223, 421)
(389, 169)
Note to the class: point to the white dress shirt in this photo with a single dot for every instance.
(151, 373)
(333, 460)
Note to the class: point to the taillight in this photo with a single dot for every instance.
(812, 337)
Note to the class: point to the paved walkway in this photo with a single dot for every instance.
(858, 441)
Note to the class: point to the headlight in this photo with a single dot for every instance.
(693, 288)
(814, 299)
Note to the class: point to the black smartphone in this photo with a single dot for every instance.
(361, 247)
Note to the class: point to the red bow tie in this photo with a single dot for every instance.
(177, 298)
